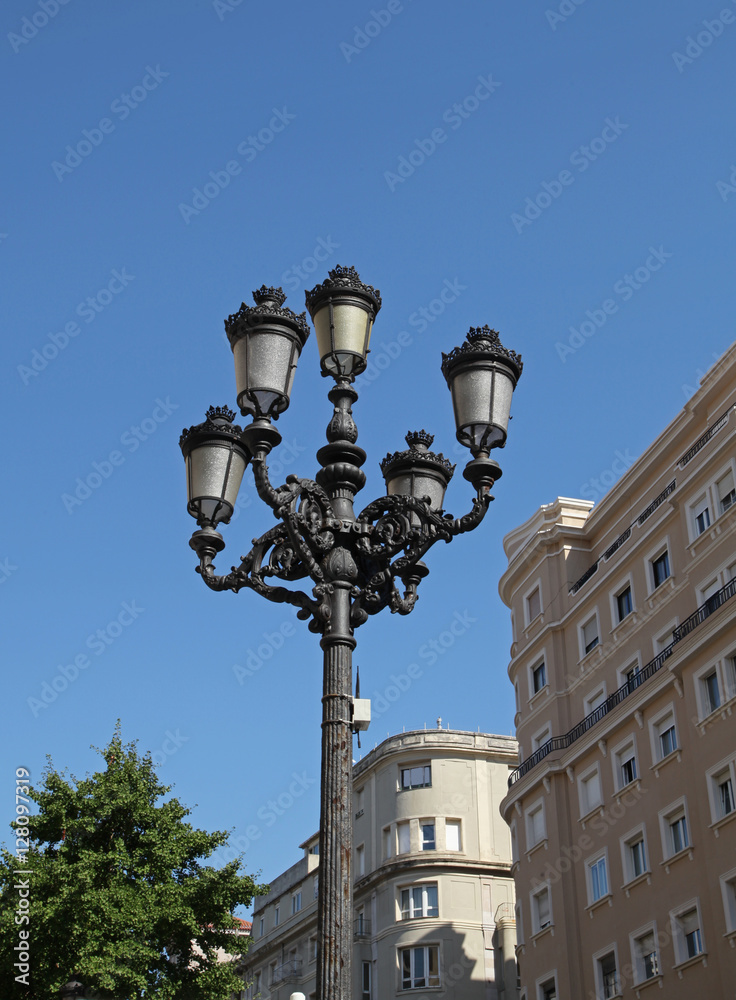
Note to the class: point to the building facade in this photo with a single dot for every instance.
(622, 812)
(434, 895)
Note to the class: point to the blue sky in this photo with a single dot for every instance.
(564, 173)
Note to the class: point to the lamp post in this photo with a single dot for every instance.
(358, 564)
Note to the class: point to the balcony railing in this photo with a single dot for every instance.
(713, 429)
(563, 742)
(361, 927)
(288, 971)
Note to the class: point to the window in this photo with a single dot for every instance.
(539, 677)
(700, 513)
(260, 928)
(631, 676)
(589, 786)
(624, 604)
(296, 902)
(533, 605)
(419, 901)
(547, 990)
(420, 967)
(607, 976)
(731, 675)
(594, 700)
(272, 972)
(257, 984)
(644, 954)
(688, 939)
(535, 828)
(675, 832)
(728, 891)
(452, 835)
(589, 635)
(365, 978)
(624, 765)
(361, 924)
(542, 737)
(597, 879)
(360, 860)
(634, 855)
(276, 916)
(316, 886)
(665, 736)
(514, 842)
(541, 910)
(403, 838)
(660, 569)
(710, 691)
(386, 842)
(416, 777)
(313, 948)
(726, 492)
(722, 786)
(359, 802)
(428, 838)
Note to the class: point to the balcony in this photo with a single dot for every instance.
(361, 928)
(288, 972)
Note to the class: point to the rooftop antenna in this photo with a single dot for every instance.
(439, 722)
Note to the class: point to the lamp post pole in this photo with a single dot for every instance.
(358, 564)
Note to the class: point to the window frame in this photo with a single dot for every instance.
(621, 755)
(366, 988)
(728, 895)
(536, 587)
(408, 770)
(725, 767)
(400, 827)
(534, 808)
(638, 960)
(453, 822)
(296, 902)
(542, 736)
(538, 665)
(675, 812)
(594, 865)
(624, 585)
(424, 888)
(412, 949)
(598, 974)
(583, 778)
(679, 934)
(655, 733)
(634, 837)
(534, 896)
(585, 649)
(731, 496)
(695, 509)
(704, 691)
(542, 986)
(423, 840)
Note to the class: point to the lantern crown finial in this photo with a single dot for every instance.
(482, 342)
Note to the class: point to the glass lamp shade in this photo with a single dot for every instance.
(215, 459)
(266, 341)
(418, 472)
(482, 375)
(343, 310)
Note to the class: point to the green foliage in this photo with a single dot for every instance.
(118, 891)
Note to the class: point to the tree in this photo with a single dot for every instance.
(114, 890)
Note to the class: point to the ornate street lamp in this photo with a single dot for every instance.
(352, 560)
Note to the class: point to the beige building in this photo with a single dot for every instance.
(623, 814)
(434, 896)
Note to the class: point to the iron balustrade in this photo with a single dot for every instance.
(656, 502)
(623, 537)
(584, 578)
(636, 680)
(288, 970)
(704, 439)
(361, 927)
